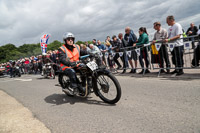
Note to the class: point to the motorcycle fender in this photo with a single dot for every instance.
(103, 71)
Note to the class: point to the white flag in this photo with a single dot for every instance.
(138, 51)
(128, 53)
(145, 45)
(120, 54)
(113, 54)
(158, 45)
(196, 43)
(171, 46)
(188, 45)
(106, 54)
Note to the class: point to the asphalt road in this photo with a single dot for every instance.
(147, 105)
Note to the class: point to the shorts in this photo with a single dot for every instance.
(133, 56)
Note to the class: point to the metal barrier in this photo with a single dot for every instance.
(166, 56)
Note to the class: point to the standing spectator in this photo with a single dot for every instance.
(8, 66)
(85, 48)
(26, 65)
(86, 43)
(94, 41)
(109, 59)
(53, 56)
(40, 63)
(192, 31)
(143, 39)
(175, 34)
(102, 48)
(109, 40)
(95, 50)
(161, 34)
(116, 47)
(131, 38)
(124, 58)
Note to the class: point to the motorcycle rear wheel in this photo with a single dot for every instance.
(62, 78)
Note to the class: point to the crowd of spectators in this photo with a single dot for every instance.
(113, 51)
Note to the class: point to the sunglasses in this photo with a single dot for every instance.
(70, 38)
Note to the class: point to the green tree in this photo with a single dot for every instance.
(54, 45)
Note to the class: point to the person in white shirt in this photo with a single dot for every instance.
(160, 34)
(174, 36)
(95, 50)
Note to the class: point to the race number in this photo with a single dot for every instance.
(92, 65)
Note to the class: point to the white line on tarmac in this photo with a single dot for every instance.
(16, 79)
(24, 79)
(6, 80)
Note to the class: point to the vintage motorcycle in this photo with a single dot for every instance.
(48, 70)
(97, 79)
(16, 71)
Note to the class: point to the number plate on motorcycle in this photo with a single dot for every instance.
(92, 65)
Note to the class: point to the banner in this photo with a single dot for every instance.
(121, 54)
(147, 44)
(113, 54)
(196, 44)
(188, 45)
(128, 53)
(158, 45)
(138, 51)
(43, 43)
(171, 46)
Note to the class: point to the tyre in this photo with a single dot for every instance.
(45, 74)
(64, 82)
(52, 73)
(109, 89)
(19, 74)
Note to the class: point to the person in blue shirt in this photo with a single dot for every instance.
(131, 38)
(102, 48)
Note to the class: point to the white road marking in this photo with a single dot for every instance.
(15, 79)
(23, 79)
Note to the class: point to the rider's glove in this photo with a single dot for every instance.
(82, 65)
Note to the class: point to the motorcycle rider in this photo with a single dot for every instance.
(68, 55)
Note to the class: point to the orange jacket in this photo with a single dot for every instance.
(70, 55)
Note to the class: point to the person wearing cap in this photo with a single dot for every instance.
(159, 35)
(69, 54)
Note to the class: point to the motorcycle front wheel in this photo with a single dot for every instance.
(109, 89)
(52, 73)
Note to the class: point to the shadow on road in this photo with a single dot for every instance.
(43, 78)
(58, 99)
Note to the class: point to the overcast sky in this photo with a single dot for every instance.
(25, 21)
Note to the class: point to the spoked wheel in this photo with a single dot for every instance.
(109, 89)
(19, 74)
(64, 82)
(52, 73)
